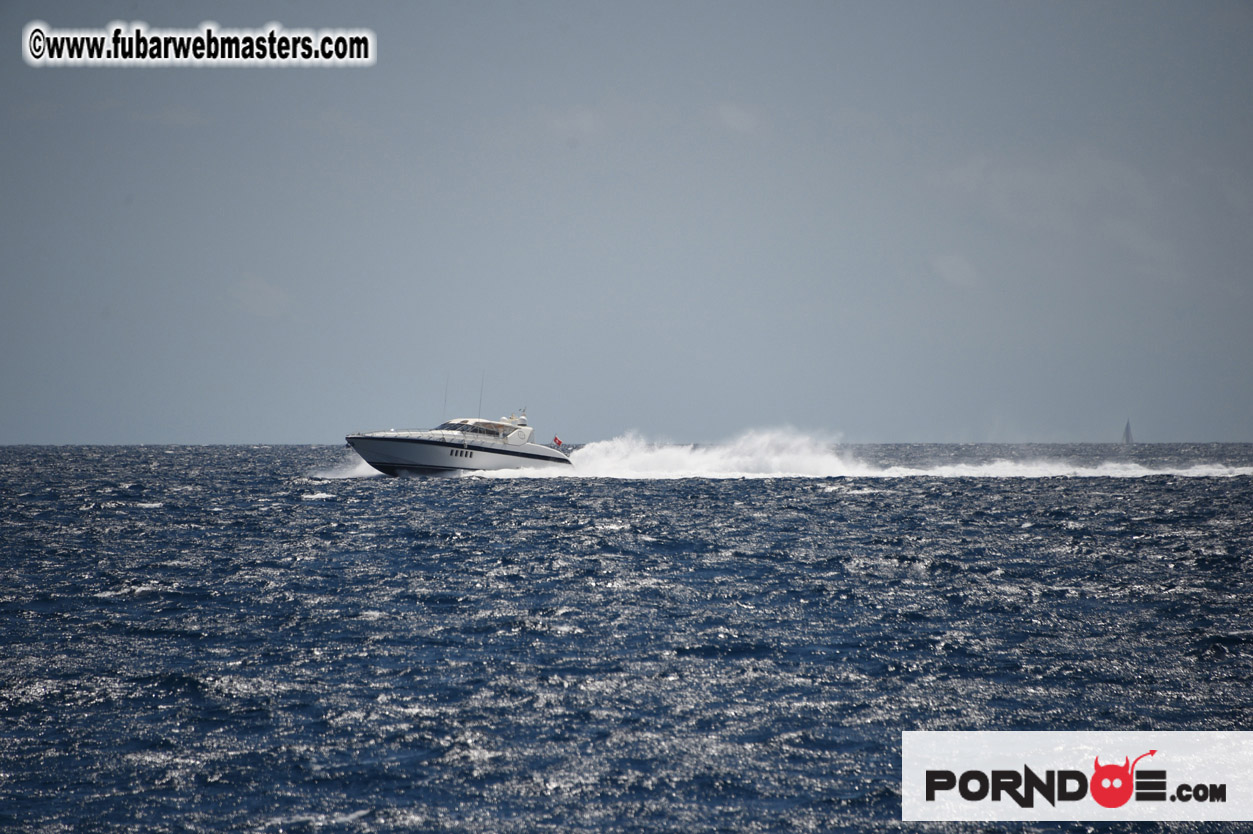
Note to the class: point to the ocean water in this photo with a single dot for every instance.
(714, 638)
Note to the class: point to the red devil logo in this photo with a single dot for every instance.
(1111, 785)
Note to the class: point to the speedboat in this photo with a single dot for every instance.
(464, 444)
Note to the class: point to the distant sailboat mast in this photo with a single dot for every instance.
(1126, 435)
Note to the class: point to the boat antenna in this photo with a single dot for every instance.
(444, 414)
(482, 379)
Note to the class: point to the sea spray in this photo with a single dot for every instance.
(351, 465)
(760, 453)
(786, 453)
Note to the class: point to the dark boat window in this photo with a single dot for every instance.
(471, 428)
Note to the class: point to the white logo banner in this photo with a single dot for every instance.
(1019, 775)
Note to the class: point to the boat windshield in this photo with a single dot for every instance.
(469, 428)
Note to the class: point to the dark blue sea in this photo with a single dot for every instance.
(712, 638)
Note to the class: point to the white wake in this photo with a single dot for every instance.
(785, 453)
(775, 453)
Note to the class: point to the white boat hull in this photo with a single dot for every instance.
(433, 453)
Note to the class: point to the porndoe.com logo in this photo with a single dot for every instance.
(1060, 776)
(1110, 786)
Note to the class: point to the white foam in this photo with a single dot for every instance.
(769, 453)
(1061, 469)
(785, 453)
(351, 466)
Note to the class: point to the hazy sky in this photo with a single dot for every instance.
(883, 221)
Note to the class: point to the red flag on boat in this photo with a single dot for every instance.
(556, 440)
